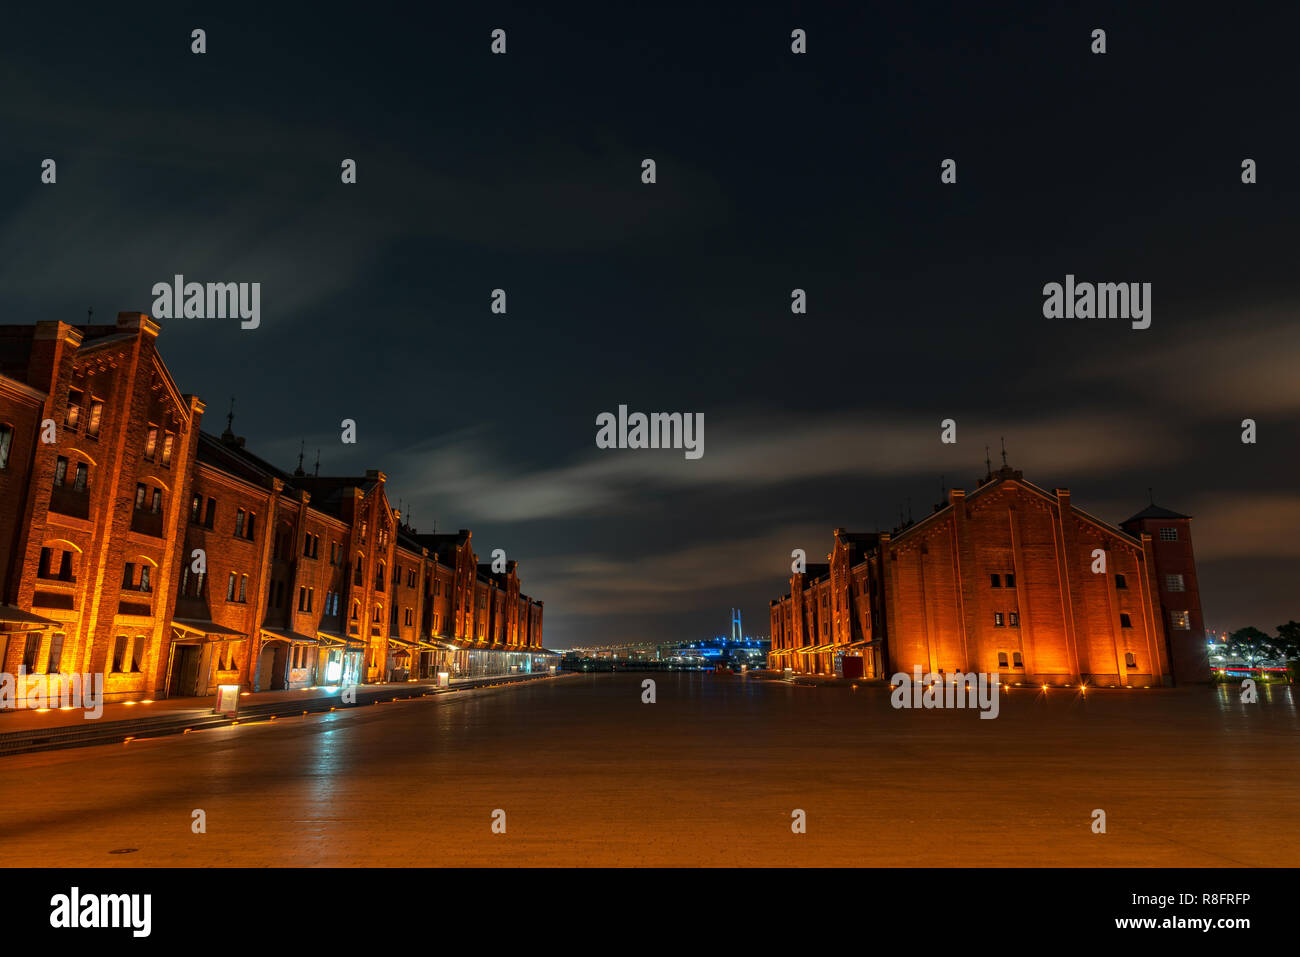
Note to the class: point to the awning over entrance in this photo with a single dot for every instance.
(332, 639)
(15, 619)
(292, 637)
(202, 628)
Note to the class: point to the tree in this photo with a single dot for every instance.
(1288, 639)
(1250, 645)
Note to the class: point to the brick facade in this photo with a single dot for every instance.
(1004, 580)
(171, 560)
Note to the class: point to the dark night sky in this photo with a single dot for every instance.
(775, 171)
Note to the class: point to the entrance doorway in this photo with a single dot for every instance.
(185, 671)
(270, 666)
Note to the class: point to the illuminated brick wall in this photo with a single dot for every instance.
(99, 532)
(1005, 579)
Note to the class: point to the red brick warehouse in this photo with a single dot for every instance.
(108, 488)
(1004, 580)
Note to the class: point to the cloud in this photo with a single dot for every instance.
(1244, 365)
(681, 580)
(1261, 526)
(746, 450)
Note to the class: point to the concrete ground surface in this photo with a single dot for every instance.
(707, 775)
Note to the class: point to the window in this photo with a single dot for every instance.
(243, 588)
(1174, 583)
(55, 660)
(1002, 659)
(151, 442)
(210, 518)
(73, 416)
(239, 523)
(43, 566)
(60, 472)
(302, 598)
(65, 567)
(156, 505)
(410, 617)
(356, 610)
(96, 416)
(997, 619)
(363, 533)
(1168, 534)
(140, 492)
(1121, 582)
(379, 614)
(83, 473)
(119, 653)
(356, 576)
(248, 528)
(1017, 660)
(137, 653)
(1181, 620)
(379, 577)
(1130, 660)
(30, 651)
(1014, 619)
(6, 440)
(997, 580)
(196, 509)
(1011, 581)
(169, 440)
(128, 575)
(1124, 620)
(230, 587)
(144, 578)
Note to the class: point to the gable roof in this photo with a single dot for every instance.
(1154, 511)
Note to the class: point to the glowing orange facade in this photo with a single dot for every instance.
(134, 545)
(1011, 579)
